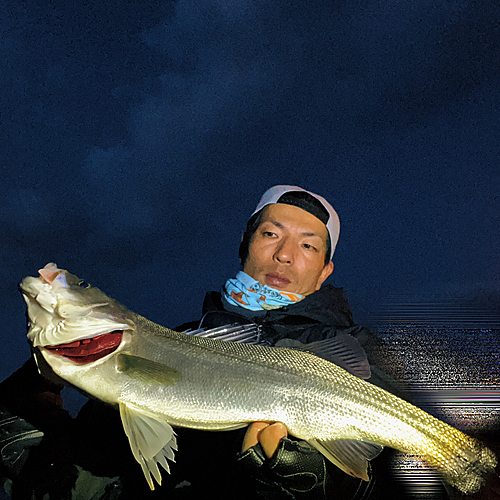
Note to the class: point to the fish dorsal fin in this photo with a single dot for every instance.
(247, 334)
(146, 370)
(351, 456)
(151, 439)
(344, 350)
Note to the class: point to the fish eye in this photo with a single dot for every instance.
(83, 284)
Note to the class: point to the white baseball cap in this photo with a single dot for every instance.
(329, 217)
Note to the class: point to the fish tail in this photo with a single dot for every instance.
(469, 475)
(463, 462)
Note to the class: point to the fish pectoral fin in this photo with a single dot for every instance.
(151, 439)
(344, 350)
(147, 371)
(351, 456)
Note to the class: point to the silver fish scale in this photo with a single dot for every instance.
(211, 384)
(234, 382)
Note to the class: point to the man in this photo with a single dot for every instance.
(286, 254)
(288, 246)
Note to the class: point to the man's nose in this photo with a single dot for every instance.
(284, 252)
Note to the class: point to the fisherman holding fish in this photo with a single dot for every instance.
(286, 253)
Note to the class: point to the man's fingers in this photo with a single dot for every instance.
(252, 435)
(268, 435)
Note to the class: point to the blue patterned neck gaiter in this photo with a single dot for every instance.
(244, 291)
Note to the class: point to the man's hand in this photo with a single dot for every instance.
(279, 468)
(268, 435)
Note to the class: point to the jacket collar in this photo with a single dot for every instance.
(328, 305)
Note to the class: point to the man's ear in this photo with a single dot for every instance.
(327, 270)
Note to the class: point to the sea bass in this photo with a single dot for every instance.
(160, 378)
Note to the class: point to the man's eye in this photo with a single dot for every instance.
(307, 246)
(268, 234)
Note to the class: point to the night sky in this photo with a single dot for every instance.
(137, 138)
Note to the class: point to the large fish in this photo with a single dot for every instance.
(160, 378)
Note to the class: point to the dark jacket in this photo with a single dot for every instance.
(297, 470)
(319, 316)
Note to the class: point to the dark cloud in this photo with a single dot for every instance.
(134, 146)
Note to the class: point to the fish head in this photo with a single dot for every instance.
(71, 322)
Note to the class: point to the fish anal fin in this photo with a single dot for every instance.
(348, 455)
(152, 440)
(147, 371)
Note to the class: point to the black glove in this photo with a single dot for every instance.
(296, 471)
(17, 437)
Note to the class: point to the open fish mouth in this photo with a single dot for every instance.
(85, 351)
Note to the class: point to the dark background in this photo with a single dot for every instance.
(137, 138)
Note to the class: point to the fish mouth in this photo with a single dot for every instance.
(86, 351)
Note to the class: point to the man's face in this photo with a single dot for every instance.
(287, 252)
